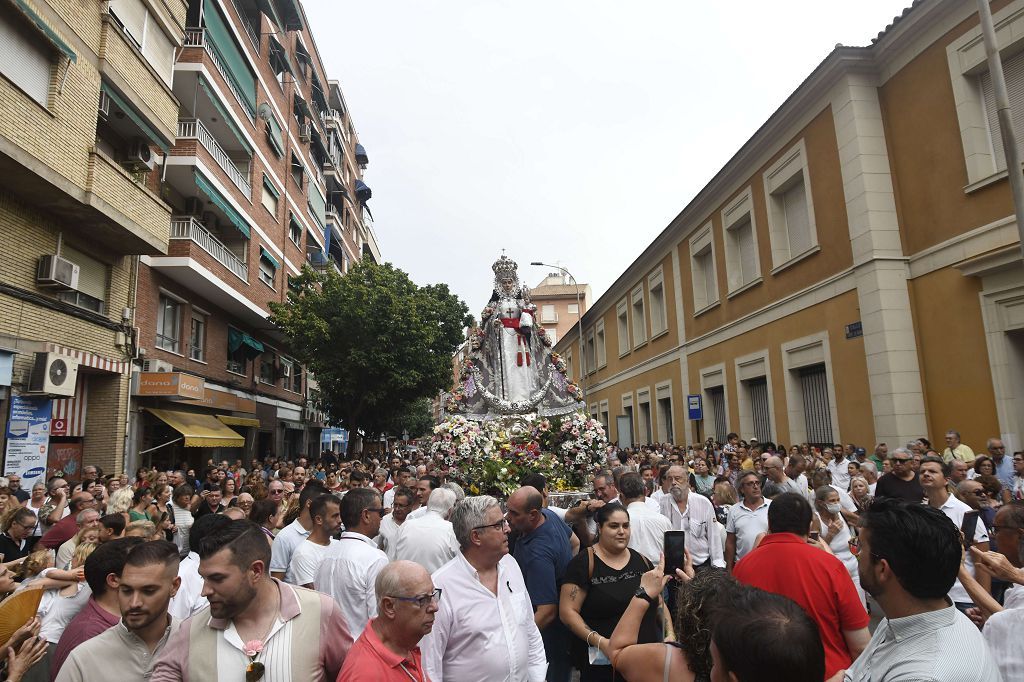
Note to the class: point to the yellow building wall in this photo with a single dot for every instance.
(669, 372)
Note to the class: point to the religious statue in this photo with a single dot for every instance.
(511, 369)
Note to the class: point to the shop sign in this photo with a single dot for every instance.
(28, 438)
(174, 384)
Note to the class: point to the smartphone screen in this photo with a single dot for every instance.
(675, 544)
(815, 535)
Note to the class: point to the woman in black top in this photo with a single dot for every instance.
(598, 585)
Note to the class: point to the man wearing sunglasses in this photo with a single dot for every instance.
(902, 482)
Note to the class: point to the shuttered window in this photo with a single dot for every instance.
(145, 31)
(817, 414)
(719, 421)
(798, 226)
(25, 58)
(92, 274)
(131, 14)
(758, 395)
(1013, 72)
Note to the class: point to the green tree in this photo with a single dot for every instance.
(417, 419)
(375, 341)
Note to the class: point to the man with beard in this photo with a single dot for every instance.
(388, 650)
(147, 583)
(255, 624)
(694, 514)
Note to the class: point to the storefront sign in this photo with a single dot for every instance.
(176, 384)
(65, 459)
(226, 402)
(28, 438)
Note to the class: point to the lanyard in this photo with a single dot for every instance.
(406, 671)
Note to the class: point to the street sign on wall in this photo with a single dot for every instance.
(695, 407)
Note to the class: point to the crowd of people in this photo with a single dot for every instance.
(385, 569)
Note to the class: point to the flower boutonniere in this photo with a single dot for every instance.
(254, 671)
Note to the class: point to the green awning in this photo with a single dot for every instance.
(221, 39)
(302, 53)
(277, 52)
(319, 96)
(267, 7)
(137, 119)
(45, 29)
(302, 105)
(290, 13)
(239, 339)
(270, 187)
(225, 116)
(270, 257)
(207, 188)
(317, 205)
(273, 129)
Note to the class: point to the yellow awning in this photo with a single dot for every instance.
(238, 421)
(200, 430)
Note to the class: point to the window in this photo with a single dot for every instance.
(591, 355)
(568, 364)
(548, 314)
(272, 130)
(298, 171)
(294, 231)
(552, 334)
(622, 316)
(599, 344)
(144, 30)
(92, 281)
(1013, 73)
(702, 259)
(197, 338)
(639, 318)
(271, 196)
(268, 369)
(656, 292)
(168, 324)
(790, 210)
(574, 309)
(663, 395)
(236, 360)
(741, 260)
(292, 375)
(25, 58)
(643, 399)
(268, 268)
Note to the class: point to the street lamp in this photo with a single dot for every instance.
(579, 323)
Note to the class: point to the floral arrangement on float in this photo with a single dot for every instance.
(493, 455)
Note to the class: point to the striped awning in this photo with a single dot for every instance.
(68, 416)
(90, 360)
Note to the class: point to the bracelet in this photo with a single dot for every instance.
(593, 632)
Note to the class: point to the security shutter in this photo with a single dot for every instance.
(758, 393)
(748, 256)
(797, 220)
(716, 397)
(132, 15)
(92, 275)
(25, 58)
(817, 415)
(1013, 72)
(159, 50)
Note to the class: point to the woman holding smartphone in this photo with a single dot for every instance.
(597, 588)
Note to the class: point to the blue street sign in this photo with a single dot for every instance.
(695, 407)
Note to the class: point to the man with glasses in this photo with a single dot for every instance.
(1001, 464)
(14, 543)
(484, 629)
(902, 482)
(388, 649)
(401, 504)
(747, 519)
(14, 483)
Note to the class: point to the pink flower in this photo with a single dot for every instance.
(253, 647)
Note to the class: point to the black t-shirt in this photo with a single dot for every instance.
(608, 594)
(891, 485)
(12, 549)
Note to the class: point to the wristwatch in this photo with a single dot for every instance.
(642, 594)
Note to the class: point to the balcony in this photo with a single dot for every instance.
(196, 37)
(187, 227)
(195, 130)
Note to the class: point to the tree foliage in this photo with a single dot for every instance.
(374, 340)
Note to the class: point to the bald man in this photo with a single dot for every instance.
(406, 604)
(776, 481)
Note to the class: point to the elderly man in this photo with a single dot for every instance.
(484, 629)
(1002, 465)
(958, 471)
(87, 518)
(429, 540)
(605, 492)
(543, 551)
(301, 631)
(777, 481)
(14, 483)
(402, 501)
(65, 529)
(695, 515)
(902, 481)
(388, 649)
(1002, 630)
(870, 473)
(747, 519)
(956, 450)
(350, 566)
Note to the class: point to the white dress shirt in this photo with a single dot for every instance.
(479, 636)
(347, 573)
(840, 473)
(428, 540)
(285, 543)
(1002, 634)
(306, 559)
(388, 499)
(189, 598)
(703, 538)
(955, 510)
(387, 535)
(417, 512)
(647, 530)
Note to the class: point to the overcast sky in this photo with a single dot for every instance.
(566, 131)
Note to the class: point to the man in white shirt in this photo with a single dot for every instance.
(839, 467)
(350, 566)
(325, 510)
(747, 519)
(189, 598)
(695, 515)
(1002, 630)
(647, 528)
(297, 531)
(934, 477)
(401, 504)
(402, 480)
(484, 629)
(429, 540)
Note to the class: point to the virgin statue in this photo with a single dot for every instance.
(511, 369)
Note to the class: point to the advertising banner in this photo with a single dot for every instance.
(28, 438)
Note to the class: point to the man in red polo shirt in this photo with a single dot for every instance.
(786, 563)
(388, 650)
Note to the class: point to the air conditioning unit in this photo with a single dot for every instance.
(53, 374)
(140, 156)
(305, 132)
(193, 206)
(284, 371)
(104, 108)
(157, 366)
(56, 272)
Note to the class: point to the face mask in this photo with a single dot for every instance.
(833, 508)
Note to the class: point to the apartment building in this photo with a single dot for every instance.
(265, 176)
(86, 107)
(852, 274)
(560, 303)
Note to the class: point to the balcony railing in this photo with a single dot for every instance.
(187, 227)
(193, 129)
(196, 37)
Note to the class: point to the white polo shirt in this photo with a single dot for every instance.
(747, 524)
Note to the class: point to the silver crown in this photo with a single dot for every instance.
(505, 267)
